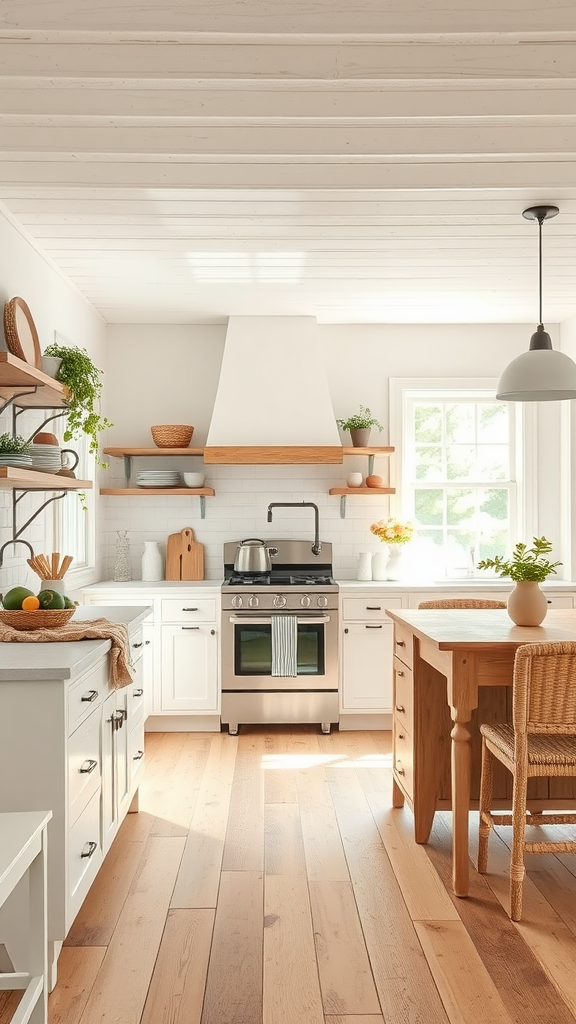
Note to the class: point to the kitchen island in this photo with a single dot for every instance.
(72, 744)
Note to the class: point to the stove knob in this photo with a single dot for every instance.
(253, 601)
(322, 602)
(237, 601)
(305, 601)
(279, 601)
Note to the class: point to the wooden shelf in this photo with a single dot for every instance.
(362, 490)
(119, 453)
(18, 477)
(16, 374)
(147, 491)
(367, 451)
(273, 455)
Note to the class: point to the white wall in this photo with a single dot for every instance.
(168, 374)
(55, 305)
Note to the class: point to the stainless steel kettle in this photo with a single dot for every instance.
(252, 555)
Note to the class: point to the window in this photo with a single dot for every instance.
(74, 514)
(459, 475)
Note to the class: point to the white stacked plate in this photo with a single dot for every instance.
(158, 478)
(46, 457)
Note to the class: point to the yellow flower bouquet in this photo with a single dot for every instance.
(392, 531)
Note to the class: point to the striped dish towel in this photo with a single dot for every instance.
(284, 645)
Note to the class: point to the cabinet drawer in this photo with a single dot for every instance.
(84, 850)
(403, 694)
(202, 609)
(367, 608)
(557, 601)
(86, 695)
(403, 758)
(84, 766)
(403, 648)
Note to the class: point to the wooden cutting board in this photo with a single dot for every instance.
(184, 556)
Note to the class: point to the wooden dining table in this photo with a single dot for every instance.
(471, 649)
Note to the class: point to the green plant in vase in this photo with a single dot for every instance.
(359, 425)
(527, 567)
(14, 445)
(82, 377)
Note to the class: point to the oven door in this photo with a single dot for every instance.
(247, 652)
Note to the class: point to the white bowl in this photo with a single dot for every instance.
(194, 479)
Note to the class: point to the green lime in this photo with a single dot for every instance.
(13, 599)
(68, 602)
(51, 599)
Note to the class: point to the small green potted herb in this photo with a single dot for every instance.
(82, 377)
(360, 426)
(527, 567)
(15, 449)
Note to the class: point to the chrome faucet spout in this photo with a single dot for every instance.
(317, 546)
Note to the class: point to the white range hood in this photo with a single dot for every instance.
(272, 403)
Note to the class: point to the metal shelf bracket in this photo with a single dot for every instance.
(127, 468)
(17, 495)
(342, 506)
(202, 506)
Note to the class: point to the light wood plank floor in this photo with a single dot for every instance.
(267, 880)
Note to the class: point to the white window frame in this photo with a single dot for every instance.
(80, 573)
(523, 512)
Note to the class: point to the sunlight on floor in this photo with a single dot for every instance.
(273, 762)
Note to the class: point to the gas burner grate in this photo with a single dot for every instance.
(253, 580)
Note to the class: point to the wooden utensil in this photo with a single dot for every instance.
(184, 556)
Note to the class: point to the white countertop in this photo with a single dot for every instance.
(34, 661)
(157, 587)
(462, 586)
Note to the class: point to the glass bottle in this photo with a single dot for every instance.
(122, 566)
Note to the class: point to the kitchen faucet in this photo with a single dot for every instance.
(316, 547)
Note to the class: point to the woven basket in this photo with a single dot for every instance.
(39, 618)
(172, 435)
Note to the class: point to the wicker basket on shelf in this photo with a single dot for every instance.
(172, 435)
(38, 618)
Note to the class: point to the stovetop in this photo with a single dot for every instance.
(276, 579)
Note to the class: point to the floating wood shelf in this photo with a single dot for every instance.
(362, 490)
(118, 453)
(20, 478)
(16, 376)
(273, 455)
(147, 491)
(368, 451)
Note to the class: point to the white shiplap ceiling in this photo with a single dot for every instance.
(360, 162)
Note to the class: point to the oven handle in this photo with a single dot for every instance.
(260, 620)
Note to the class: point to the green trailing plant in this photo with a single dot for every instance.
(82, 378)
(17, 445)
(526, 564)
(363, 420)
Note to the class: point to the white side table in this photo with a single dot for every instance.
(23, 849)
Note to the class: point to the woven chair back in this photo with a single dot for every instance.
(462, 602)
(545, 688)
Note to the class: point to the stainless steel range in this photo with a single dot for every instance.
(280, 638)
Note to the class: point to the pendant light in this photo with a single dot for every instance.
(542, 374)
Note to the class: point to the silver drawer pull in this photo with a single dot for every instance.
(375, 627)
(138, 756)
(92, 847)
(138, 693)
(90, 766)
(373, 608)
(401, 710)
(400, 643)
(190, 627)
(89, 696)
(189, 609)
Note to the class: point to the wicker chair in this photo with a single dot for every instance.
(540, 742)
(462, 602)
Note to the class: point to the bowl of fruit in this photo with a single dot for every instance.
(22, 609)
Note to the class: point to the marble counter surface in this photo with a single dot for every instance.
(34, 661)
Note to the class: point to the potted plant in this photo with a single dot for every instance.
(359, 426)
(527, 567)
(82, 377)
(15, 450)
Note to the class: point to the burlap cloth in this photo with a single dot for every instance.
(96, 629)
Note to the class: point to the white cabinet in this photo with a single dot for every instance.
(366, 654)
(190, 667)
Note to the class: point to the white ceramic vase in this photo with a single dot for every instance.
(527, 604)
(354, 480)
(151, 562)
(364, 568)
(395, 560)
(379, 565)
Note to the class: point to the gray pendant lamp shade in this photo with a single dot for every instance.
(542, 374)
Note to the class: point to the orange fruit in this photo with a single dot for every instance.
(29, 604)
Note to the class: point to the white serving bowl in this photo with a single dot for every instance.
(194, 479)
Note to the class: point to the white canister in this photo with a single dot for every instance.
(59, 586)
(379, 564)
(354, 480)
(364, 569)
(151, 562)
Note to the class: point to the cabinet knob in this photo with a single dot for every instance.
(399, 672)
(400, 771)
(400, 643)
(346, 631)
(92, 847)
(88, 766)
(141, 644)
(138, 755)
(401, 736)
(400, 709)
(89, 696)
(212, 632)
(138, 693)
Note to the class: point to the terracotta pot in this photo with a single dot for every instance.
(360, 437)
(527, 605)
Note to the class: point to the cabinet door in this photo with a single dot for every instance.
(367, 666)
(115, 766)
(190, 668)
